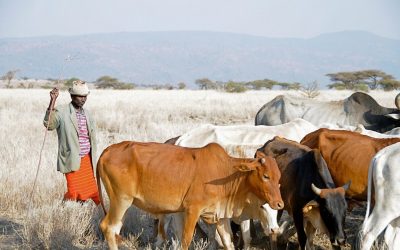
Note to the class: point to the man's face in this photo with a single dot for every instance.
(78, 101)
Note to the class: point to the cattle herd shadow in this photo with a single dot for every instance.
(9, 233)
(354, 220)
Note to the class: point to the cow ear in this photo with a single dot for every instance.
(279, 151)
(310, 205)
(245, 167)
(260, 154)
(322, 168)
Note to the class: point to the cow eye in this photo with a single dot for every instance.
(266, 177)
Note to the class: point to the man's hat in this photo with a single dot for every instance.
(79, 88)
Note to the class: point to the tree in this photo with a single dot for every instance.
(311, 90)
(235, 87)
(205, 83)
(181, 85)
(108, 82)
(349, 79)
(337, 86)
(68, 83)
(284, 85)
(359, 80)
(389, 84)
(375, 76)
(9, 76)
(259, 84)
(295, 86)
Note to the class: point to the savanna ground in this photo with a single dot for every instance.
(44, 222)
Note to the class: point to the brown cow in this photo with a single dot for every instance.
(200, 182)
(348, 155)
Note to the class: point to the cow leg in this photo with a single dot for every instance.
(246, 234)
(218, 239)
(225, 232)
(177, 225)
(191, 217)
(372, 227)
(392, 235)
(310, 232)
(298, 222)
(384, 213)
(112, 222)
(162, 228)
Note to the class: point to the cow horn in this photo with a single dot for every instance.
(316, 190)
(263, 160)
(397, 101)
(346, 186)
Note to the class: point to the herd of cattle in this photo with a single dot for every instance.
(315, 160)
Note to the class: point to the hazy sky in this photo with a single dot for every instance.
(271, 18)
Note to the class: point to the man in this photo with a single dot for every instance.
(76, 142)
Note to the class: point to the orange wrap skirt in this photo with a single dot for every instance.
(81, 184)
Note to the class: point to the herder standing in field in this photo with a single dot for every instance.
(76, 142)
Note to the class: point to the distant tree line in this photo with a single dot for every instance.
(233, 86)
(354, 80)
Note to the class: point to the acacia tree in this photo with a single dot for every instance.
(108, 82)
(9, 76)
(235, 87)
(375, 77)
(389, 84)
(205, 83)
(259, 84)
(362, 80)
(346, 79)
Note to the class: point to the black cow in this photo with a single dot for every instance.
(359, 108)
(308, 191)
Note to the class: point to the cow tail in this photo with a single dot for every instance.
(361, 233)
(369, 195)
(99, 187)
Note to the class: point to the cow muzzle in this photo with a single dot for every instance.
(277, 205)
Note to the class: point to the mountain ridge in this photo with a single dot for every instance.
(184, 56)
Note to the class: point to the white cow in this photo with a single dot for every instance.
(384, 172)
(359, 108)
(394, 133)
(243, 141)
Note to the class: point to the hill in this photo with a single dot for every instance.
(172, 57)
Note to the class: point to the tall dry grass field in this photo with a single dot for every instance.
(141, 115)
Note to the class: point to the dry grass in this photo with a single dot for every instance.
(140, 115)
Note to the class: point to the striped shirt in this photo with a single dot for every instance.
(83, 134)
